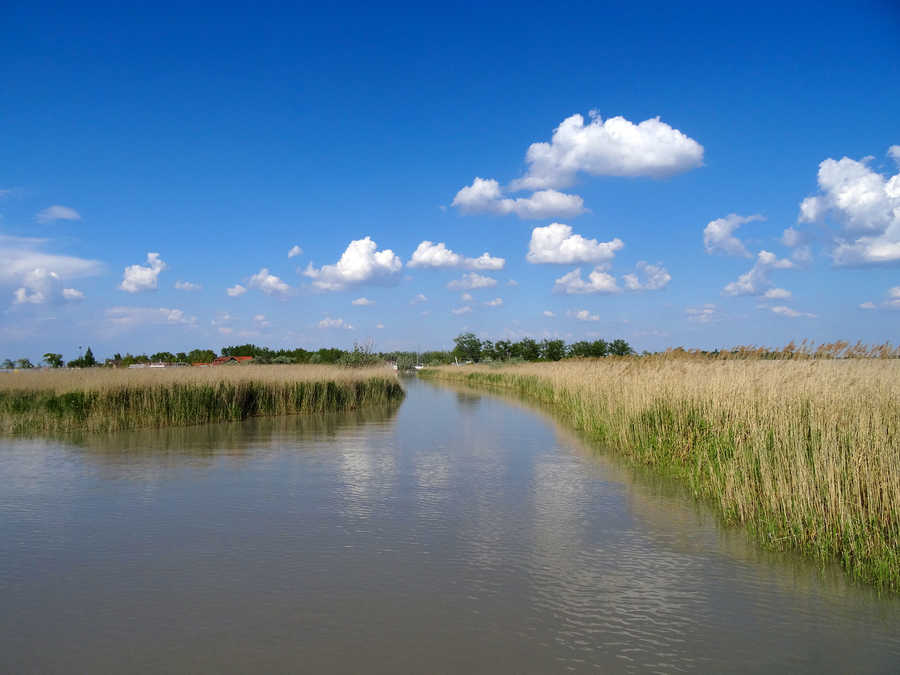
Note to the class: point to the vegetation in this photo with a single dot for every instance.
(109, 399)
(470, 348)
(801, 445)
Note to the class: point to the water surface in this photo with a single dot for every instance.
(460, 532)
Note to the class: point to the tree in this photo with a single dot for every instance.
(89, 359)
(553, 350)
(468, 347)
(529, 349)
(24, 363)
(53, 360)
(620, 348)
(8, 365)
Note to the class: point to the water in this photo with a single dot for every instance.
(459, 532)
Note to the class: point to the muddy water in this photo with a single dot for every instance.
(458, 532)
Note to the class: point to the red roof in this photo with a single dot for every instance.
(225, 359)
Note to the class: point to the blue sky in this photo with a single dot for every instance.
(717, 176)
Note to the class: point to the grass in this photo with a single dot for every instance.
(111, 400)
(804, 453)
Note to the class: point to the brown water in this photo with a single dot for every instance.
(459, 532)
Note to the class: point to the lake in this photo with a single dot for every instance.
(458, 531)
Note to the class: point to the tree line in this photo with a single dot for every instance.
(468, 347)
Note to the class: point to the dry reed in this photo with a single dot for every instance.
(805, 452)
(101, 399)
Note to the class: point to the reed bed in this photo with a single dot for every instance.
(805, 453)
(111, 399)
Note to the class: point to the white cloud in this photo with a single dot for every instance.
(777, 294)
(708, 313)
(466, 297)
(129, 317)
(756, 281)
(781, 310)
(260, 320)
(236, 291)
(363, 302)
(512, 282)
(379, 325)
(718, 235)
(295, 251)
(429, 254)
(360, 263)
(868, 305)
(865, 203)
(41, 286)
(584, 315)
(328, 322)
(894, 153)
(54, 213)
(461, 310)
(269, 283)
(140, 278)
(496, 302)
(485, 196)
(187, 286)
(616, 147)
(471, 281)
(72, 294)
(655, 277)
(419, 297)
(598, 281)
(893, 300)
(24, 265)
(791, 237)
(549, 314)
(555, 243)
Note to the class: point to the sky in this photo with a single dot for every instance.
(706, 175)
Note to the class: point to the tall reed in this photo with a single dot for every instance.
(109, 400)
(803, 452)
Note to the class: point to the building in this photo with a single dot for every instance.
(232, 360)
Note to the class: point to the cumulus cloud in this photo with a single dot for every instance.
(41, 286)
(616, 147)
(465, 297)
(549, 314)
(461, 310)
(419, 297)
(484, 195)
(236, 291)
(471, 281)
(708, 313)
(867, 206)
(429, 254)
(129, 317)
(584, 315)
(268, 283)
(140, 278)
(54, 213)
(756, 281)
(868, 305)
(777, 294)
(360, 263)
(556, 243)
(647, 277)
(891, 302)
(718, 235)
(328, 322)
(496, 302)
(363, 302)
(598, 281)
(187, 286)
(781, 310)
(23, 265)
(295, 251)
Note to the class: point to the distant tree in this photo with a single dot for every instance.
(200, 356)
(620, 348)
(24, 363)
(89, 359)
(468, 347)
(53, 360)
(166, 357)
(181, 357)
(503, 350)
(553, 350)
(529, 349)
(8, 364)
